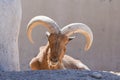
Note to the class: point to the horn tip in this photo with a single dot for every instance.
(32, 41)
(86, 48)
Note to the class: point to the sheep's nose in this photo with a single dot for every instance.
(54, 60)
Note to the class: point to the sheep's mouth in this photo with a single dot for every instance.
(53, 63)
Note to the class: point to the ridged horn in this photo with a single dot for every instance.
(79, 28)
(47, 22)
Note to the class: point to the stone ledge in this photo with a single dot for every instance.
(58, 75)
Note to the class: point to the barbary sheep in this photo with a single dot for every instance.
(52, 55)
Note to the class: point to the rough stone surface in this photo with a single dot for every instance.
(57, 75)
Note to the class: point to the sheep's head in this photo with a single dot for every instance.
(59, 38)
(57, 45)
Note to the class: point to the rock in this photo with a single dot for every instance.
(96, 75)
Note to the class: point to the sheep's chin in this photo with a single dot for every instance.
(53, 64)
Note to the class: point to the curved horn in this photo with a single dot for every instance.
(79, 28)
(50, 24)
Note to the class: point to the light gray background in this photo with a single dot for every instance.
(102, 16)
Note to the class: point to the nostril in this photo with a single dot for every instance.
(54, 59)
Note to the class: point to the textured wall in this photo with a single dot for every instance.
(102, 16)
(10, 18)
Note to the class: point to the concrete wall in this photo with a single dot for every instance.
(10, 18)
(102, 16)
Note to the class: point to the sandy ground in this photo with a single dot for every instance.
(59, 75)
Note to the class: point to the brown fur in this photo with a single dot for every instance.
(52, 56)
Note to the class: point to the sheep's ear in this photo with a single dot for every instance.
(71, 38)
(47, 34)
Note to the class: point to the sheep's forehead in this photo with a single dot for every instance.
(60, 38)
